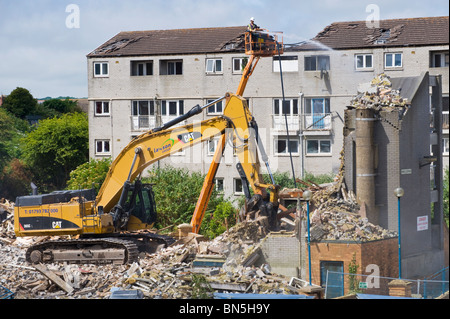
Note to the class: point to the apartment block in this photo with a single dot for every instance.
(141, 79)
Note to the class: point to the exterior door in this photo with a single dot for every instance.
(334, 282)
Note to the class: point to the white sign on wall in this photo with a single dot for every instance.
(422, 223)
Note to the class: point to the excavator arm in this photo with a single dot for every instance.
(236, 124)
(151, 147)
(164, 141)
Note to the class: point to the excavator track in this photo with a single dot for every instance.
(147, 241)
(94, 250)
(122, 249)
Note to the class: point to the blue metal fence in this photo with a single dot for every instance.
(428, 288)
(5, 293)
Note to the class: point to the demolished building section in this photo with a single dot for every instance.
(226, 262)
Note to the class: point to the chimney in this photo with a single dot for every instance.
(365, 163)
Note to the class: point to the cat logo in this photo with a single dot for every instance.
(56, 224)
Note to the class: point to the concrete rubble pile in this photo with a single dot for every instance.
(378, 94)
(226, 262)
(335, 215)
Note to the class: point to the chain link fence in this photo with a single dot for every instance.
(338, 284)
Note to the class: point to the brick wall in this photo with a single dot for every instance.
(382, 253)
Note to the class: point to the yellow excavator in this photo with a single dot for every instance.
(115, 225)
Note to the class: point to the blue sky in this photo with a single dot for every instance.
(39, 52)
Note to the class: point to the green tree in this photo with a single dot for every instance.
(15, 180)
(55, 148)
(6, 133)
(223, 218)
(57, 107)
(20, 103)
(88, 174)
(176, 193)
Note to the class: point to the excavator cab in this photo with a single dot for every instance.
(138, 208)
(262, 43)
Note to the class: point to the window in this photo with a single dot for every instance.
(317, 63)
(289, 63)
(239, 65)
(317, 106)
(445, 146)
(143, 114)
(102, 147)
(143, 108)
(212, 145)
(219, 184)
(393, 60)
(317, 114)
(214, 66)
(315, 147)
(102, 108)
(439, 59)
(364, 61)
(101, 69)
(172, 108)
(237, 186)
(141, 68)
(290, 107)
(216, 108)
(281, 146)
(171, 67)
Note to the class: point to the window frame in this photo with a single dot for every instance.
(103, 143)
(145, 69)
(285, 139)
(235, 186)
(364, 61)
(317, 62)
(445, 146)
(214, 109)
(101, 74)
(102, 113)
(293, 105)
(166, 108)
(219, 184)
(443, 59)
(319, 147)
(241, 64)
(212, 146)
(171, 67)
(214, 64)
(393, 66)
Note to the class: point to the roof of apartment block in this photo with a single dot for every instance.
(177, 41)
(388, 33)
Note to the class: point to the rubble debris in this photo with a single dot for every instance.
(378, 94)
(7, 234)
(226, 263)
(336, 215)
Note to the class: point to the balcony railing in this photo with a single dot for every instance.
(319, 121)
(142, 122)
(279, 122)
(147, 122)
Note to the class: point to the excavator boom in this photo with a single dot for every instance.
(124, 204)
